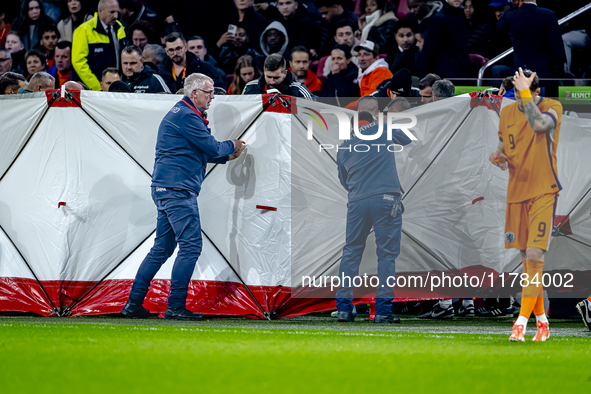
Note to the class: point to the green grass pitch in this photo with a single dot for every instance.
(313, 354)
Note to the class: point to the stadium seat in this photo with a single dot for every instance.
(382, 56)
(321, 64)
(322, 78)
(229, 78)
(402, 10)
(477, 60)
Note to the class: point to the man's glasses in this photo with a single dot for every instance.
(170, 51)
(209, 93)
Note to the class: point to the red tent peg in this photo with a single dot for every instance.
(60, 204)
(266, 208)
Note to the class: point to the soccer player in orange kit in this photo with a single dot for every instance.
(528, 132)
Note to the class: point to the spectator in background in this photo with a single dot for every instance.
(443, 89)
(400, 85)
(142, 33)
(372, 69)
(140, 79)
(245, 16)
(426, 87)
(40, 82)
(132, 11)
(63, 71)
(4, 26)
(542, 52)
(11, 82)
(480, 30)
(182, 63)
(421, 11)
(237, 47)
(299, 65)
(5, 61)
(17, 51)
(49, 38)
(277, 76)
(75, 14)
(341, 82)
(405, 52)
(333, 12)
(31, 17)
(110, 75)
(445, 51)
(34, 62)
(343, 36)
(154, 56)
(196, 45)
(301, 29)
(377, 25)
(398, 104)
(244, 72)
(97, 44)
(274, 40)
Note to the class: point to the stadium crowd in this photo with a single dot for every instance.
(324, 48)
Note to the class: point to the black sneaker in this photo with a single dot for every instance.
(388, 319)
(182, 314)
(465, 311)
(135, 311)
(584, 308)
(494, 311)
(345, 317)
(439, 313)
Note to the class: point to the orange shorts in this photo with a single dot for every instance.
(528, 224)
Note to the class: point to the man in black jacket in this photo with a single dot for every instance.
(332, 13)
(140, 79)
(301, 29)
(536, 39)
(403, 52)
(181, 63)
(277, 76)
(445, 51)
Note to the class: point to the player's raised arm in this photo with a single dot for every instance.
(539, 122)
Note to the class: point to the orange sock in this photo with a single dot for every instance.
(532, 293)
(539, 307)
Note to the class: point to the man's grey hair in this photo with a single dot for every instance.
(443, 89)
(195, 81)
(398, 104)
(41, 79)
(368, 104)
(154, 52)
(104, 3)
(2, 49)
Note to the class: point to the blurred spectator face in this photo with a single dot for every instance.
(109, 12)
(329, 12)
(247, 74)
(14, 43)
(455, 3)
(468, 9)
(34, 65)
(198, 48)
(139, 39)
(131, 63)
(344, 36)
(63, 59)
(371, 6)
(515, 3)
(499, 12)
(243, 4)
(240, 38)
(405, 38)
(274, 38)
(287, 8)
(426, 95)
(49, 40)
(176, 51)
(418, 8)
(5, 62)
(366, 58)
(34, 10)
(419, 40)
(274, 79)
(74, 6)
(108, 79)
(300, 62)
(339, 60)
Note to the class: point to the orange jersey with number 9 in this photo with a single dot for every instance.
(531, 156)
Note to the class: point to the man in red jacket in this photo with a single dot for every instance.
(299, 65)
